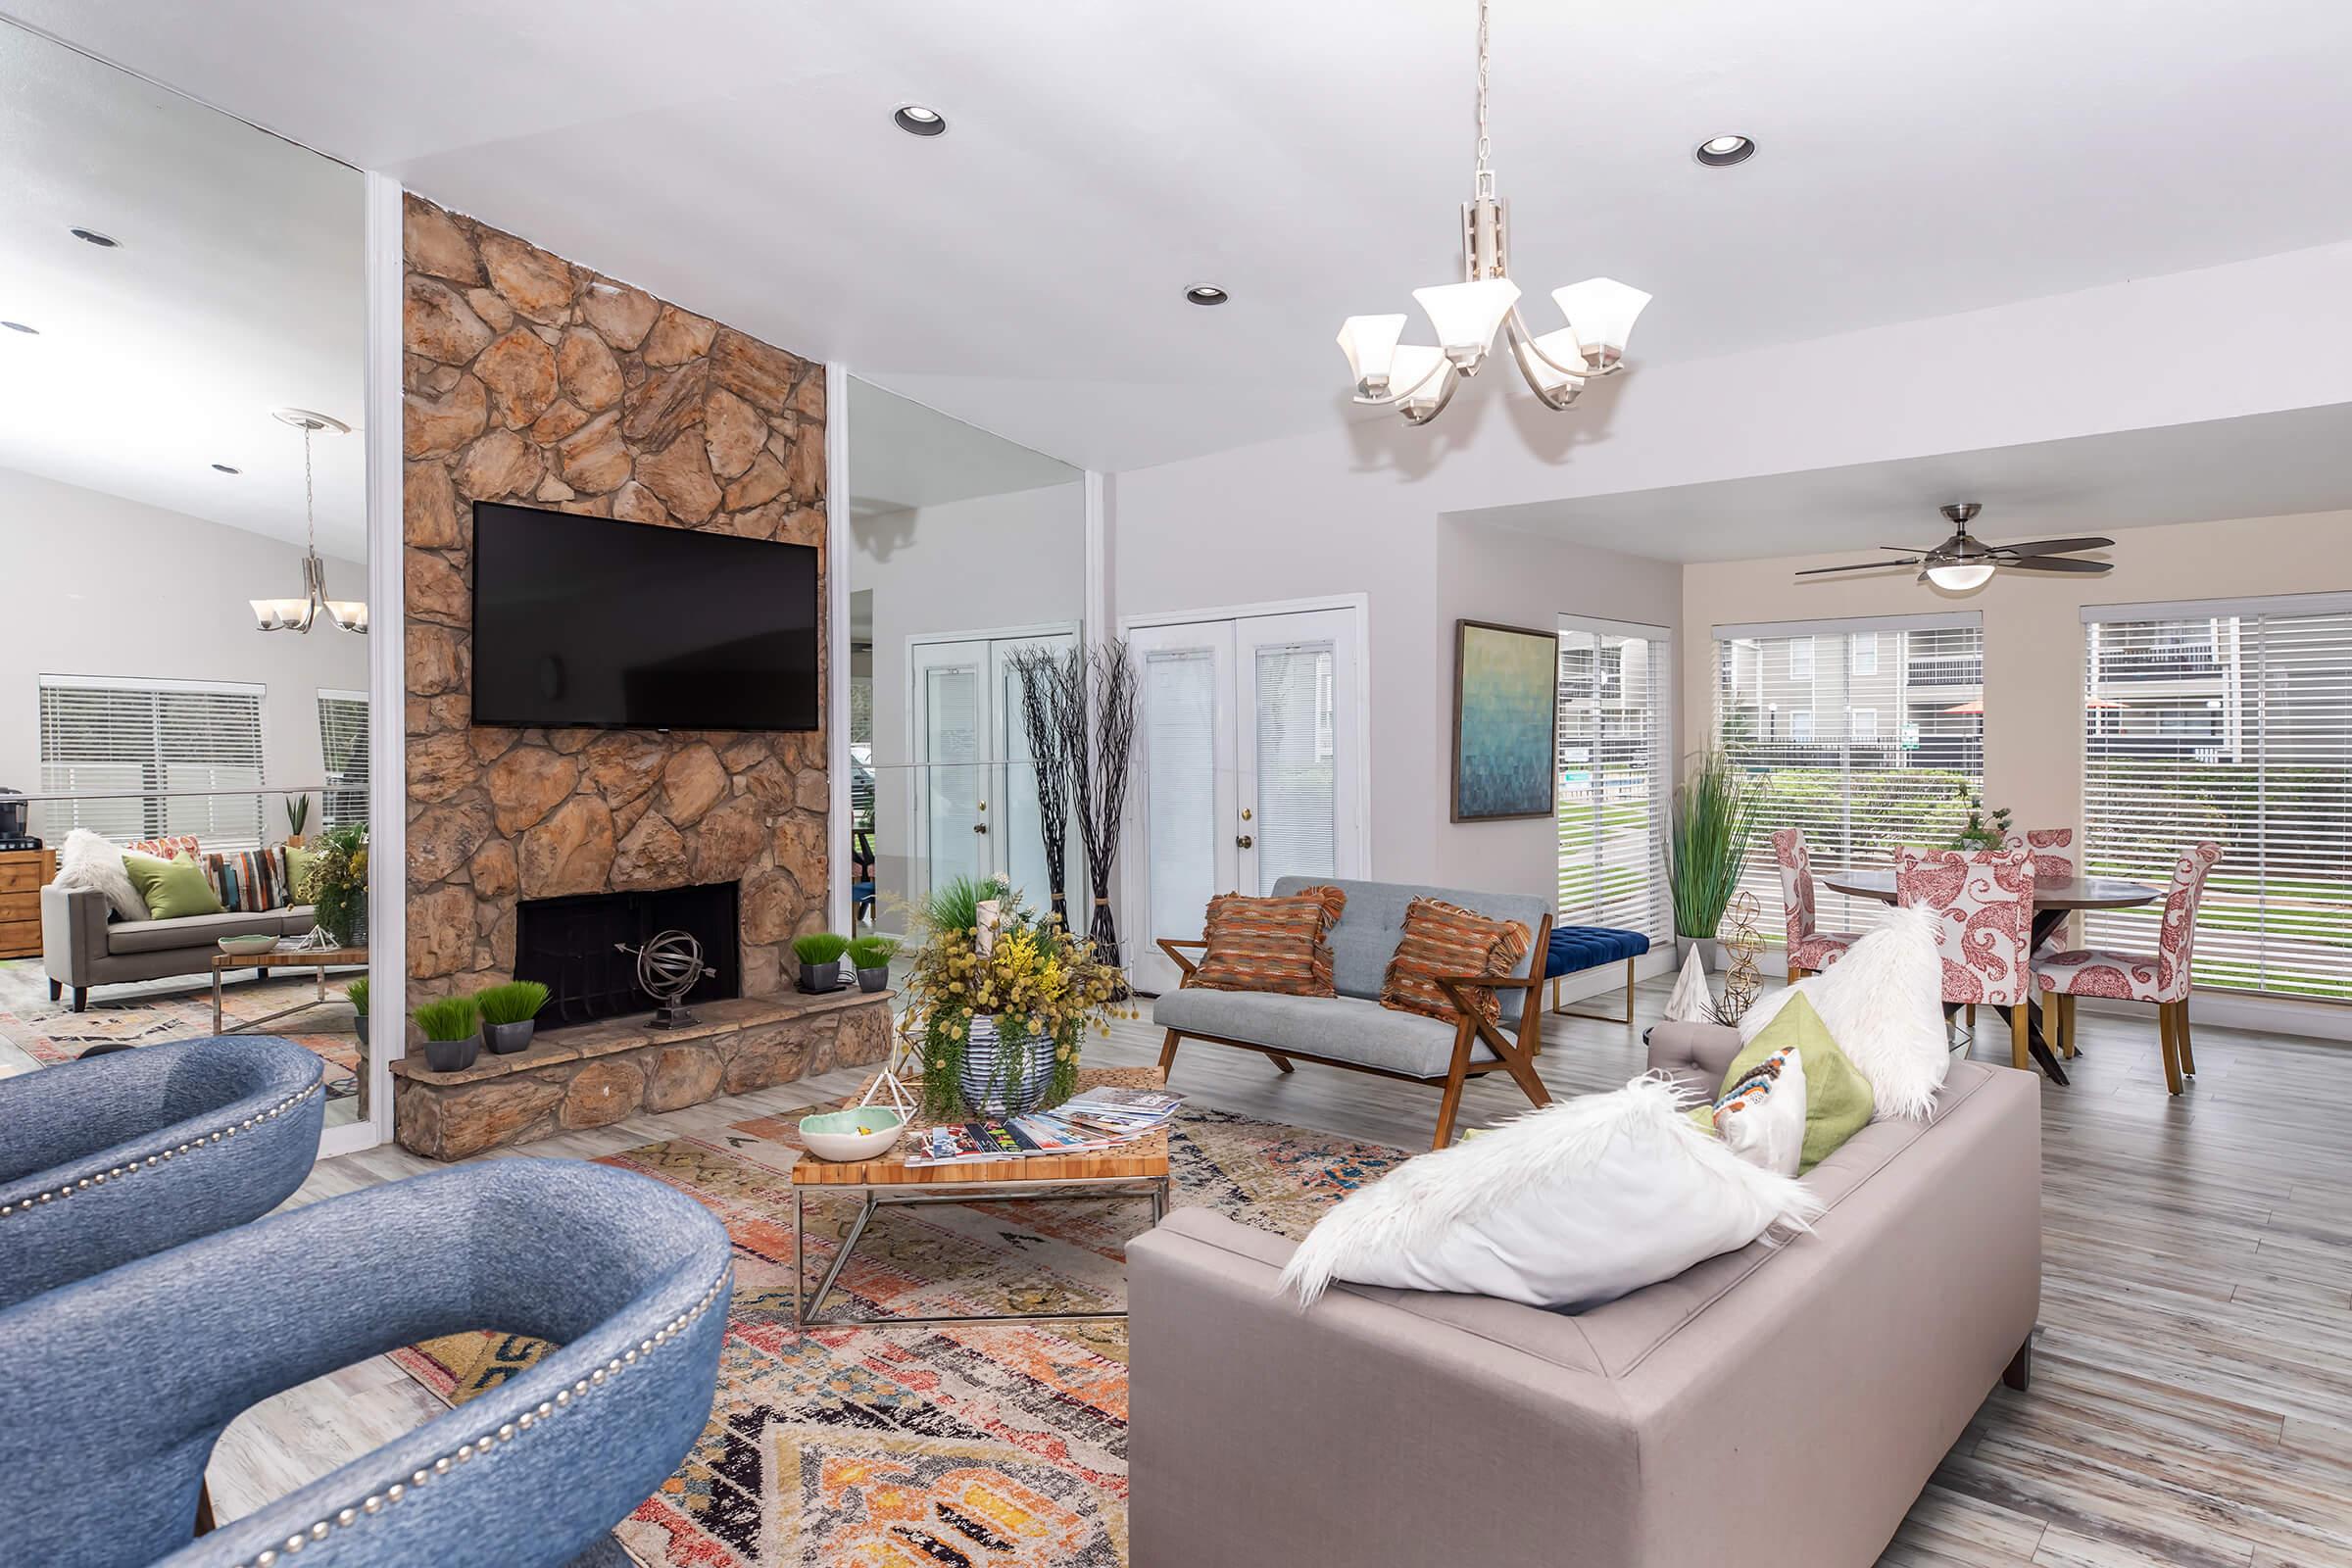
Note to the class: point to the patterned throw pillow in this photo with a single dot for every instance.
(1273, 943)
(1442, 938)
(1761, 1116)
(249, 881)
(163, 849)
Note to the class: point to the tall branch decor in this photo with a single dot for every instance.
(1108, 702)
(1048, 679)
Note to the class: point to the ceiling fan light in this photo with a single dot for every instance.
(1600, 311)
(1961, 576)
(1370, 344)
(1552, 350)
(1466, 315)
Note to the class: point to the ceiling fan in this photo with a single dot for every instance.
(1964, 561)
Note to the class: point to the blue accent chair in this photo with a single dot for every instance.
(1575, 949)
(117, 1156)
(120, 1385)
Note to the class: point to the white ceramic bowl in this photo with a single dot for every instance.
(864, 1133)
(246, 947)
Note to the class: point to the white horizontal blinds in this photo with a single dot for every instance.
(343, 745)
(1180, 786)
(1298, 787)
(2233, 727)
(105, 736)
(1613, 771)
(1867, 736)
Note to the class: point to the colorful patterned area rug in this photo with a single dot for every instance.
(54, 1032)
(943, 1447)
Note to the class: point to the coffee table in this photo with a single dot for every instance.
(320, 958)
(1135, 1169)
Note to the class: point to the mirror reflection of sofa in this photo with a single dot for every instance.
(84, 943)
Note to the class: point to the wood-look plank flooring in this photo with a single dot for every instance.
(2192, 1393)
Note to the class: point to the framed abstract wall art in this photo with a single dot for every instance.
(1505, 722)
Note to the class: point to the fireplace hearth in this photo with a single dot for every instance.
(573, 945)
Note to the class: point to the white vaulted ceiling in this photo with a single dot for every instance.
(1025, 270)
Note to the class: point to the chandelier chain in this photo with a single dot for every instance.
(1486, 148)
(309, 508)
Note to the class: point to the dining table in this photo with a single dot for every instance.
(2053, 901)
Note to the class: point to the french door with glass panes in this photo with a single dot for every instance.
(975, 790)
(1246, 768)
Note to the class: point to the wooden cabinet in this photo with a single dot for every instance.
(23, 875)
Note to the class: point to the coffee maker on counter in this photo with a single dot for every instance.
(15, 828)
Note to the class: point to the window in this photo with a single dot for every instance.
(2231, 721)
(1866, 652)
(152, 757)
(1858, 780)
(1615, 772)
(1801, 658)
(343, 747)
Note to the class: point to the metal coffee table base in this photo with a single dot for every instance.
(805, 1308)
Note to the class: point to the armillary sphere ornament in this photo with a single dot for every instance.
(669, 967)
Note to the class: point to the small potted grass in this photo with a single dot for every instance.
(870, 956)
(510, 1014)
(453, 1032)
(357, 990)
(819, 953)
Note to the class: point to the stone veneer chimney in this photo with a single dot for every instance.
(532, 380)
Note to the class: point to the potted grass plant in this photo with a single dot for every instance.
(357, 990)
(1706, 842)
(819, 953)
(870, 956)
(510, 1014)
(453, 1032)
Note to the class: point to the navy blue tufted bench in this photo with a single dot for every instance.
(1575, 949)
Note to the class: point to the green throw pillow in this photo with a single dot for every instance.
(173, 889)
(299, 862)
(1838, 1098)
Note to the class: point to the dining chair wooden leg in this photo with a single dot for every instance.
(2064, 1007)
(2171, 1047)
(2180, 1032)
(2020, 1037)
(1971, 1021)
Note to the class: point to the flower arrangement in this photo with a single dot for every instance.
(337, 883)
(983, 955)
(1978, 832)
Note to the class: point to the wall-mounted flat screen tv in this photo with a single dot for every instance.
(593, 623)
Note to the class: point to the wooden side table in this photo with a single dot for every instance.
(319, 958)
(1138, 1169)
(23, 875)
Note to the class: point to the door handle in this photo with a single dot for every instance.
(980, 827)
(1244, 842)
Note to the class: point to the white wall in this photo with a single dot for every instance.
(92, 584)
(984, 564)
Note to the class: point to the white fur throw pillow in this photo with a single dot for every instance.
(90, 863)
(1568, 1206)
(1882, 1003)
(1761, 1118)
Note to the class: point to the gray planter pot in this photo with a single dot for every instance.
(1710, 953)
(988, 1064)
(505, 1039)
(452, 1055)
(874, 979)
(359, 1025)
(821, 977)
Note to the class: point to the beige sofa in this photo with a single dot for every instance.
(1772, 1407)
(80, 948)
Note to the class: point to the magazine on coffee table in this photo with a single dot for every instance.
(1107, 1122)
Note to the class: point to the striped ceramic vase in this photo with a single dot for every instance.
(986, 1060)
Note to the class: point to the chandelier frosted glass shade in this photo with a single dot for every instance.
(1467, 316)
(1601, 311)
(1370, 344)
(1422, 380)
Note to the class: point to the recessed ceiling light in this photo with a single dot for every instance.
(223, 468)
(103, 241)
(1205, 294)
(1722, 152)
(20, 326)
(916, 120)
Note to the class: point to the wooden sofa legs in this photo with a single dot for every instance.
(1168, 1054)
(57, 989)
(2019, 1373)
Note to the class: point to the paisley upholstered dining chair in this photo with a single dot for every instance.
(2053, 850)
(2161, 977)
(1982, 901)
(1811, 950)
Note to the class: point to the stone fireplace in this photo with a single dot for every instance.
(576, 947)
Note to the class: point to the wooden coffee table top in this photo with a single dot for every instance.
(1143, 1158)
(307, 958)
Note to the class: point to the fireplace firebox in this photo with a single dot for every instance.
(573, 946)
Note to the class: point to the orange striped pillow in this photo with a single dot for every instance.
(1272, 944)
(1442, 938)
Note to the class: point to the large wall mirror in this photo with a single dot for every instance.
(967, 554)
(182, 373)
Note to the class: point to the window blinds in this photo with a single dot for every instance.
(343, 745)
(2231, 723)
(1615, 772)
(1180, 779)
(1866, 735)
(150, 739)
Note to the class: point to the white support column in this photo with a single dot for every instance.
(838, 872)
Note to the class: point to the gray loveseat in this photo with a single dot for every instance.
(1774, 1408)
(1352, 1029)
(80, 948)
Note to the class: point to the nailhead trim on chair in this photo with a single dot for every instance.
(376, 1502)
(134, 1165)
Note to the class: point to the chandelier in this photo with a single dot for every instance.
(1419, 381)
(299, 615)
